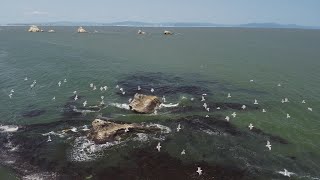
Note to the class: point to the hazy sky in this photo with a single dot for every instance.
(302, 12)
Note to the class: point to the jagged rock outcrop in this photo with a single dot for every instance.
(141, 32)
(81, 30)
(167, 33)
(106, 131)
(34, 28)
(144, 104)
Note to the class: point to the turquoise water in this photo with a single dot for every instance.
(223, 60)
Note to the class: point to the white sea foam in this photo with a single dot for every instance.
(164, 129)
(61, 135)
(86, 150)
(142, 137)
(8, 128)
(121, 106)
(169, 105)
(40, 176)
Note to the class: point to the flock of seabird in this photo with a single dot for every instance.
(158, 147)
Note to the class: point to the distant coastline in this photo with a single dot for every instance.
(166, 24)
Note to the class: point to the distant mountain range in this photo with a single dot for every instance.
(166, 24)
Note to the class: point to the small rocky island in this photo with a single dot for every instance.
(81, 30)
(106, 131)
(144, 104)
(34, 28)
(167, 32)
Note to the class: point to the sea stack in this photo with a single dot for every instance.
(167, 33)
(144, 104)
(81, 30)
(34, 28)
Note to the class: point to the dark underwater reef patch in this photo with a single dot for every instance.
(170, 85)
(33, 113)
(219, 126)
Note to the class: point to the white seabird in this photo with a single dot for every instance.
(183, 152)
(84, 103)
(286, 173)
(263, 110)
(288, 115)
(91, 85)
(152, 90)
(59, 83)
(255, 102)
(178, 128)
(251, 126)
(49, 139)
(65, 80)
(54, 98)
(158, 147)
(10, 95)
(199, 171)
(309, 108)
(229, 95)
(244, 107)
(202, 98)
(94, 88)
(234, 114)
(26, 78)
(268, 145)
(227, 118)
(139, 88)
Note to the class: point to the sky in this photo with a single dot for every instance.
(301, 12)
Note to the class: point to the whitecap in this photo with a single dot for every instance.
(84, 150)
(121, 106)
(169, 105)
(164, 129)
(8, 128)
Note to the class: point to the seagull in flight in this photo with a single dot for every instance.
(263, 110)
(251, 80)
(309, 108)
(279, 85)
(123, 93)
(33, 83)
(74, 92)
(26, 78)
(164, 99)
(59, 83)
(12, 91)
(54, 98)
(117, 86)
(102, 97)
(286, 173)
(199, 171)
(183, 152)
(251, 126)
(208, 109)
(49, 139)
(288, 116)
(158, 147)
(139, 88)
(76, 97)
(101, 88)
(282, 101)
(178, 128)
(244, 107)
(105, 87)
(91, 85)
(234, 114)
(65, 80)
(121, 89)
(286, 100)
(10, 95)
(303, 102)
(218, 108)
(227, 118)
(205, 105)
(102, 102)
(207, 116)
(202, 98)
(94, 88)
(229, 95)
(152, 90)
(268, 145)
(84, 103)
(255, 102)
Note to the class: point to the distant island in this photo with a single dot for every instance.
(165, 24)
